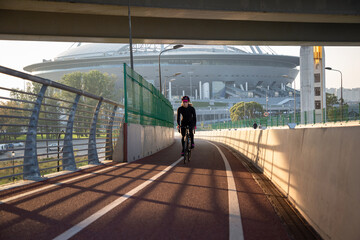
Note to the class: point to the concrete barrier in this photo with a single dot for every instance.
(316, 168)
(143, 141)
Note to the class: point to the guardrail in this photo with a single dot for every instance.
(52, 127)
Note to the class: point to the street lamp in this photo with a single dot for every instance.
(165, 50)
(267, 98)
(190, 73)
(286, 76)
(176, 74)
(130, 38)
(341, 90)
(169, 90)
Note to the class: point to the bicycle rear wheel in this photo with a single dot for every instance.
(186, 149)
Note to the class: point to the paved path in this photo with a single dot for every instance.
(157, 197)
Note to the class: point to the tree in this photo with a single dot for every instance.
(331, 100)
(245, 110)
(8, 109)
(95, 82)
(47, 113)
(333, 113)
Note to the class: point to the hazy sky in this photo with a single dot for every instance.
(17, 54)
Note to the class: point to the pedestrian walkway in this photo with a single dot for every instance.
(158, 197)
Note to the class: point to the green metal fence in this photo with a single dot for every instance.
(306, 118)
(144, 104)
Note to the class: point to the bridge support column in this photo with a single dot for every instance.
(109, 146)
(68, 150)
(31, 168)
(92, 151)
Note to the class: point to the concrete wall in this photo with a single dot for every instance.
(317, 168)
(143, 141)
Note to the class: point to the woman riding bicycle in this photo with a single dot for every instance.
(187, 111)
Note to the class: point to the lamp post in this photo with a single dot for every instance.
(130, 38)
(169, 90)
(341, 90)
(286, 76)
(165, 50)
(13, 164)
(267, 99)
(190, 73)
(176, 74)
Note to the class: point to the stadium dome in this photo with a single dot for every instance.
(209, 72)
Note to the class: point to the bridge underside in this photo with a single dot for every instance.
(257, 22)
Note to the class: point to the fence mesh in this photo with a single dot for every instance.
(332, 115)
(144, 104)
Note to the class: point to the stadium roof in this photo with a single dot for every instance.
(110, 49)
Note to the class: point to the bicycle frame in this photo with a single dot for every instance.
(187, 145)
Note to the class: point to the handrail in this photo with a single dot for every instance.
(38, 118)
(48, 82)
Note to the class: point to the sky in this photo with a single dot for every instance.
(18, 54)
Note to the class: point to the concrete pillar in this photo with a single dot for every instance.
(183, 93)
(200, 90)
(170, 91)
(196, 94)
(206, 90)
(246, 86)
(307, 103)
(242, 87)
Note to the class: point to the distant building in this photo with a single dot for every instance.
(349, 94)
(222, 73)
(214, 72)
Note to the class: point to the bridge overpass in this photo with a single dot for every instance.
(269, 22)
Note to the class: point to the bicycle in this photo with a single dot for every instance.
(187, 146)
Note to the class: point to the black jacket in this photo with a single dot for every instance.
(188, 116)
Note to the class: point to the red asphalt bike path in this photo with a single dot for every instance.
(188, 202)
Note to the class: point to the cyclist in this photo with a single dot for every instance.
(188, 118)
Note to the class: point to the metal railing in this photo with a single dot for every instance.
(332, 115)
(43, 130)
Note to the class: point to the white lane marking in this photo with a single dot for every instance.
(57, 184)
(235, 224)
(83, 224)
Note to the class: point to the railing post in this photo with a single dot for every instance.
(314, 116)
(92, 151)
(109, 145)
(68, 150)
(31, 168)
(126, 115)
(141, 100)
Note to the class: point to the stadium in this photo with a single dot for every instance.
(210, 73)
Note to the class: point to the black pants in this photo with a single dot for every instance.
(183, 132)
